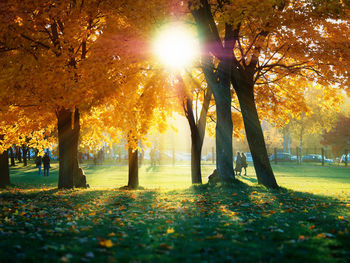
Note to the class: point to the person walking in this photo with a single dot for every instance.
(244, 163)
(38, 162)
(46, 162)
(238, 168)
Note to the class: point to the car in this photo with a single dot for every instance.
(315, 158)
(342, 158)
(281, 157)
(293, 158)
(208, 157)
(182, 156)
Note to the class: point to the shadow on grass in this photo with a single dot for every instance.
(248, 178)
(232, 223)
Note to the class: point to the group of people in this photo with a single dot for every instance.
(45, 160)
(241, 162)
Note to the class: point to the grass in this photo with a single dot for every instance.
(306, 221)
(333, 181)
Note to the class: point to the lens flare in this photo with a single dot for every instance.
(176, 46)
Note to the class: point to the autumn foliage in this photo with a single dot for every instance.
(82, 73)
(339, 135)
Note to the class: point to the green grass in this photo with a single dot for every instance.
(305, 221)
(333, 181)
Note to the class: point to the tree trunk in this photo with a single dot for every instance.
(12, 156)
(4, 170)
(70, 174)
(79, 178)
(255, 136)
(65, 143)
(28, 151)
(286, 140)
(219, 79)
(224, 127)
(196, 152)
(196, 143)
(301, 145)
(24, 150)
(18, 154)
(133, 182)
(197, 133)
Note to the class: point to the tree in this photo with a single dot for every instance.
(49, 47)
(259, 42)
(4, 167)
(193, 95)
(338, 136)
(219, 80)
(140, 104)
(323, 108)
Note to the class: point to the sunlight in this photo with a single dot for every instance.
(176, 46)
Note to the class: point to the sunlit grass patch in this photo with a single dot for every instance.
(200, 223)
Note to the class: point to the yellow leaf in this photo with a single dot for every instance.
(170, 230)
(106, 243)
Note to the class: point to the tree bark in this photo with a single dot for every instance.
(196, 152)
(224, 127)
(301, 145)
(197, 133)
(18, 154)
(254, 133)
(220, 81)
(24, 150)
(12, 156)
(4, 170)
(196, 144)
(133, 182)
(65, 142)
(286, 139)
(70, 174)
(79, 178)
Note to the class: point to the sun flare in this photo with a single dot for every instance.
(176, 46)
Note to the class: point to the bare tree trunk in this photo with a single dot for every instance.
(301, 145)
(64, 125)
(70, 174)
(4, 170)
(219, 79)
(12, 156)
(224, 126)
(255, 136)
(79, 178)
(24, 150)
(18, 154)
(197, 133)
(286, 139)
(196, 144)
(133, 182)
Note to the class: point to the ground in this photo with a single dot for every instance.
(306, 221)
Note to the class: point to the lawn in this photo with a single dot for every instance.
(332, 181)
(306, 221)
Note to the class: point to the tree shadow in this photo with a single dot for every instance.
(221, 223)
(248, 178)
